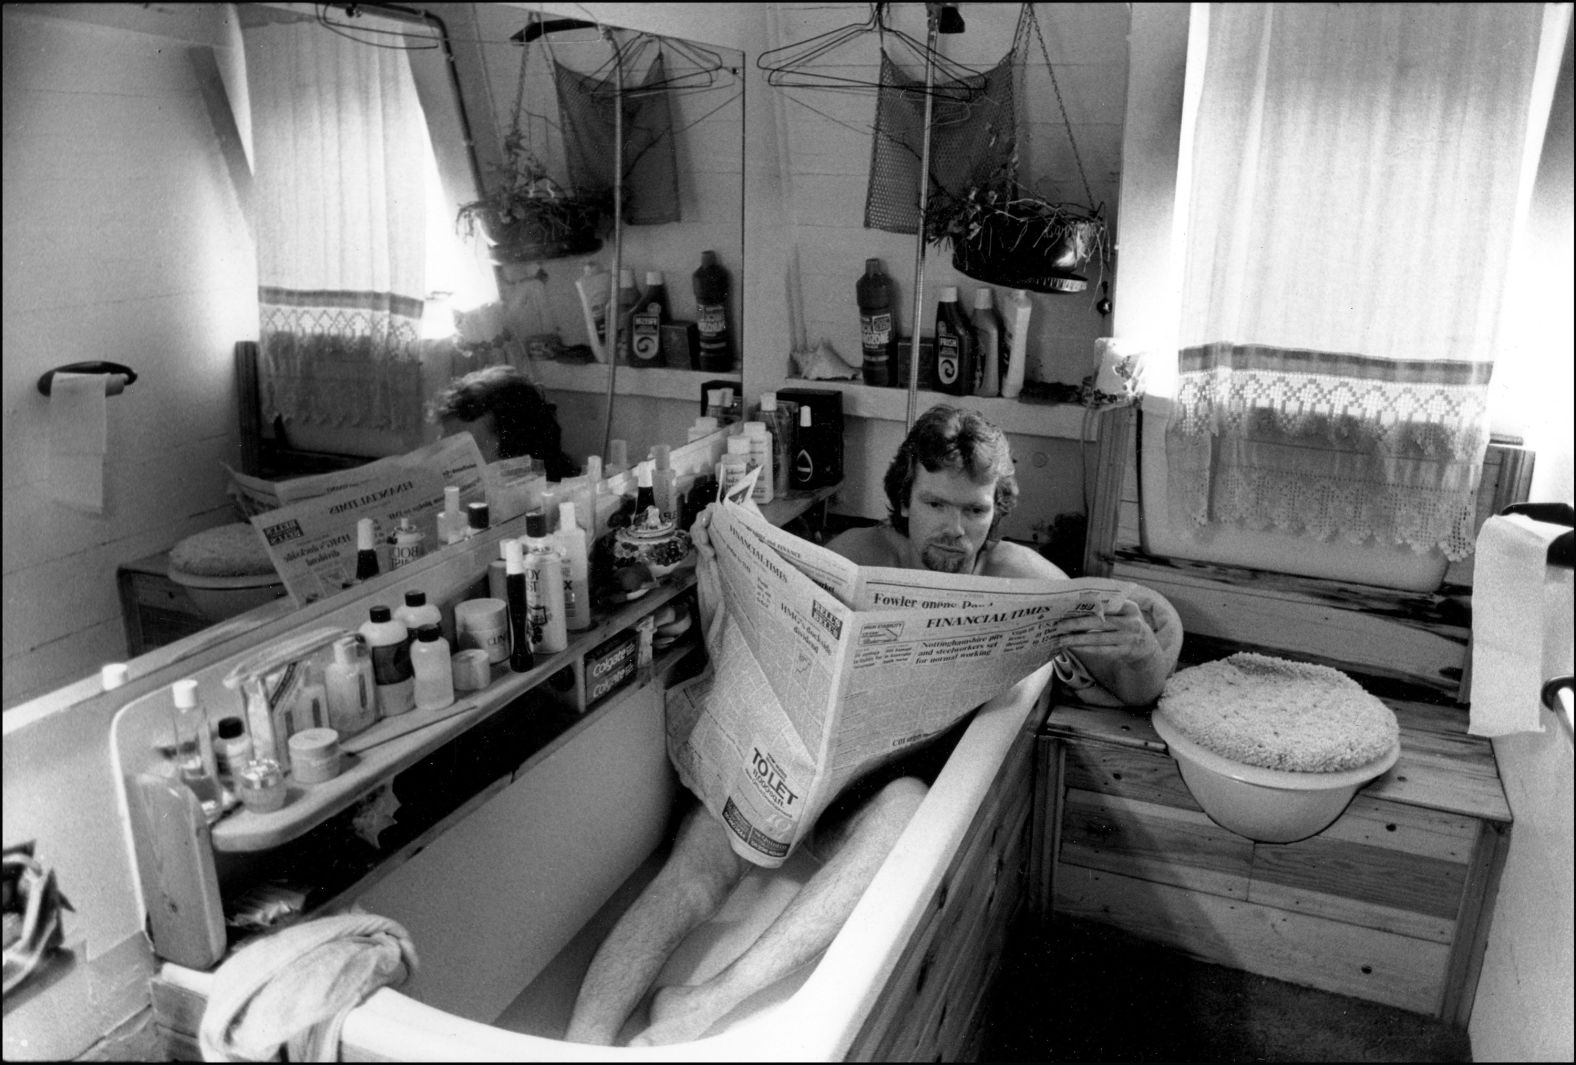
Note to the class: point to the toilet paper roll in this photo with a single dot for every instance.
(78, 439)
(1521, 624)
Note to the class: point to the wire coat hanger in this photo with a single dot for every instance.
(793, 66)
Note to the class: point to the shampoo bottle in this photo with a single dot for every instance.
(1017, 343)
(429, 659)
(407, 544)
(760, 455)
(780, 424)
(595, 286)
(571, 542)
(389, 641)
(352, 691)
(736, 463)
(987, 335)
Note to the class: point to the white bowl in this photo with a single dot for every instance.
(1267, 805)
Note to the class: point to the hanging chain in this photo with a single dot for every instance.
(1045, 53)
(519, 97)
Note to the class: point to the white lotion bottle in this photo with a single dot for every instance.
(987, 341)
(390, 643)
(1017, 327)
(352, 692)
(595, 286)
(429, 658)
(571, 541)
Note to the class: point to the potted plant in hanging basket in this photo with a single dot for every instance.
(1003, 234)
(527, 216)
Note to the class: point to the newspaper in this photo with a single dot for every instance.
(822, 670)
(311, 529)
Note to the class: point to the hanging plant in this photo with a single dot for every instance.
(1003, 234)
(528, 216)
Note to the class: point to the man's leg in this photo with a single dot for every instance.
(691, 886)
(804, 929)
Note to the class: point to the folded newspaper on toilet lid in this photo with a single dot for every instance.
(822, 669)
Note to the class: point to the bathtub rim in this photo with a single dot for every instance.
(822, 1019)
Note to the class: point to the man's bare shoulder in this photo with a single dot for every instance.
(1007, 559)
(870, 545)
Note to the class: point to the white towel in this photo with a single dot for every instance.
(1521, 624)
(297, 985)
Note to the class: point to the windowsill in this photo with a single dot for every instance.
(1025, 414)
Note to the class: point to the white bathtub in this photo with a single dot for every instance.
(496, 899)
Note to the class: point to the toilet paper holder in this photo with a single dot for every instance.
(47, 381)
(1562, 550)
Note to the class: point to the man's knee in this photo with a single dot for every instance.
(897, 801)
(702, 869)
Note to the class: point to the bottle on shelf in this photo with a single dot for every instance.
(645, 337)
(194, 757)
(628, 299)
(1016, 330)
(571, 542)
(416, 612)
(434, 671)
(664, 481)
(521, 657)
(452, 522)
(760, 455)
(877, 325)
(186, 922)
(954, 345)
(407, 544)
(595, 286)
(617, 457)
(366, 551)
(780, 424)
(544, 585)
(711, 314)
(352, 690)
(736, 463)
(987, 336)
(389, 641)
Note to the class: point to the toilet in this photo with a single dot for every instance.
(225, 570)
(1271, 749)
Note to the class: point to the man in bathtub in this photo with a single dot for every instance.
(948, 489)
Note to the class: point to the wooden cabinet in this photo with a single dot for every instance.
(1391, 903)
(933, 1007)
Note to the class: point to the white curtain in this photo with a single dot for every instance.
(340, 144)
(1355, 180)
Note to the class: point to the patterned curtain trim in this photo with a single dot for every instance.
(1329, 444)
(341, 358)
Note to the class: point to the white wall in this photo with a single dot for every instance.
(123, 241)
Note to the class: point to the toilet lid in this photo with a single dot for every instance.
(1279, 714)
(234, 550)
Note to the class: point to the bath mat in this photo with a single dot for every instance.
(1279, 714)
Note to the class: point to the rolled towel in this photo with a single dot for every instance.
(297, 985)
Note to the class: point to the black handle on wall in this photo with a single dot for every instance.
(47, 382)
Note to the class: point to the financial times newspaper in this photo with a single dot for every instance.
(822, 670)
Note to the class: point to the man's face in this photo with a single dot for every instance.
(949, 516)
(483, 429)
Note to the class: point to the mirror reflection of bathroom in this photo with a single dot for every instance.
(237, 223)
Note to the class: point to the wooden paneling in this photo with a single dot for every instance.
(1347, 959)
(1152, 842)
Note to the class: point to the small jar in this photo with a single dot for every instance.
(314, 755)
(261, 785)
(483, 625)
(472, 670)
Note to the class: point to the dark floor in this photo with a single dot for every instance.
(1083, 992)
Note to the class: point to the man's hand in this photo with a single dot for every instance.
(1131, 651)
(707, 579)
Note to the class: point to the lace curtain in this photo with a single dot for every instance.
(340, 144)
(1355, 179)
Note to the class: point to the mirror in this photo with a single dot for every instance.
(132, 242)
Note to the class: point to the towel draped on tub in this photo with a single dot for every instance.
(296, 986)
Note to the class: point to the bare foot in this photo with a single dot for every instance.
(679, 1014)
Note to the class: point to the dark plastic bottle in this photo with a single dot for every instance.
(955, 349)
(877, 324)
(711, 314)
(645, 322)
